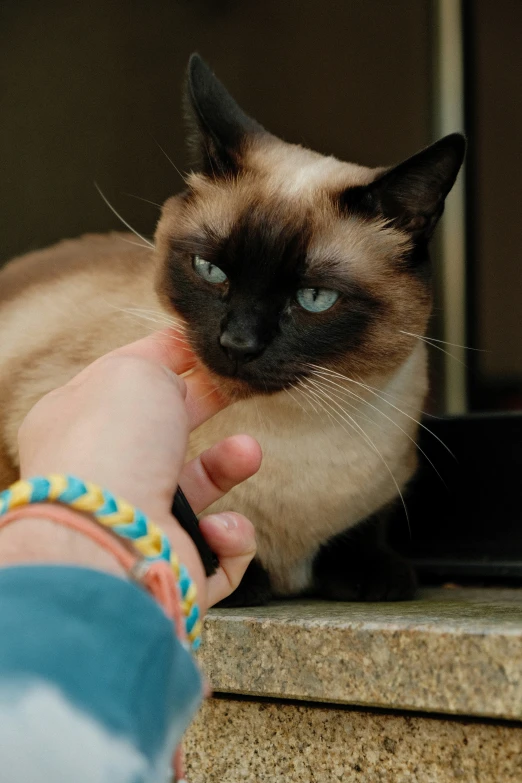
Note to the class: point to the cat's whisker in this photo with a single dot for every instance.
(419, 423)
(310, 400)
(395, 407)
(413, 408)
(326, 379)
(319, 381)
(297, 402)
(181, 346)
(367, 438)
(169, 320)
(136, 244)
(140, 198)
(310, 395)
(371, 388)
(354, 425)
(144, 317)
(163, 333)
(183, 176)
(155, 316)
(262, 422)
(204, 396)
(307, 399)
(445, 342)
(336, 374)
(395, 424)
(156, 333)
(148, 331)
(314, 398)
(325, 394)
(403, 402)
(125, 311)
(160, 327)
(301, 389)
(427, 341)
(322, 379)
(399, 410)
(122, 219)
(155, 311)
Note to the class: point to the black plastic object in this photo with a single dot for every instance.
(468, 523)
(183, 512)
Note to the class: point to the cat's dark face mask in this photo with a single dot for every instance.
(270, 279)
(255, 310)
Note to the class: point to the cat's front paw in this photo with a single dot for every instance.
(373, 574)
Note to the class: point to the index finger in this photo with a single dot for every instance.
(170, 349)
(203, 398)
(167, 347)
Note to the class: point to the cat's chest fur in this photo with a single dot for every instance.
(324, 469)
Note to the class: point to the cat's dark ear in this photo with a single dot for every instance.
(218, 127)
(412, 193)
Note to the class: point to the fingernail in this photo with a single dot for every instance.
(227, 520)
(178, 380)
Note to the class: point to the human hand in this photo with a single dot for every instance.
(124, 422)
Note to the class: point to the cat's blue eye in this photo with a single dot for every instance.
(317, 300)
(209, 272)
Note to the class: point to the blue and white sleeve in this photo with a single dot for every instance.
(94, 685)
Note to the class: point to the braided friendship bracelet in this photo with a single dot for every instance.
(116, 515)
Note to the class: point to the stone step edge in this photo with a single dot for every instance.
(455, 657)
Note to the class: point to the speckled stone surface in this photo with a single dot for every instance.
(452, 651)
(233, 741)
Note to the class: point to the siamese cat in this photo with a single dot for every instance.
(302, 283)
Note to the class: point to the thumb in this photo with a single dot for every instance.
(232, 537)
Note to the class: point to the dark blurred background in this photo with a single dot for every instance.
(89, 91)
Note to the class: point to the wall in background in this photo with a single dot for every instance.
(84, 85)
(84, 88)
(496, 265)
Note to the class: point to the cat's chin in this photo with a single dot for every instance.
(234, 388)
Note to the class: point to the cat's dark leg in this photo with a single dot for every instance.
(358, 565)
(254, 589)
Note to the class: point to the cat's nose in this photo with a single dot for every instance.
(241, 348)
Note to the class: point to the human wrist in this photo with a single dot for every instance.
(138, 543)
(35, 540)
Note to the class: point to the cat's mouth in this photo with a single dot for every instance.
(243, 381)
(251, 381)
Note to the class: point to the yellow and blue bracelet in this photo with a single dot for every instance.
(117, 515)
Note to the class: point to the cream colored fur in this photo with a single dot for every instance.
(66, 305)
(319, 477)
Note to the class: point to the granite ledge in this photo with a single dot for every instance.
(252, 742)
(455, 651)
